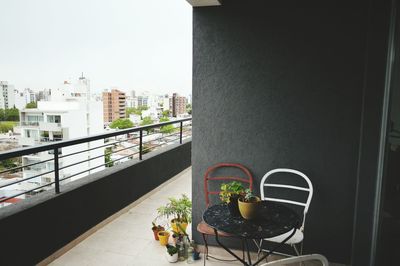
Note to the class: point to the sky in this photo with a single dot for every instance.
(142, 45)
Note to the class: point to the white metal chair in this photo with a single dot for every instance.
(304, 258)
(297, 238)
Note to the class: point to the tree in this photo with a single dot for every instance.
(11, 114)
(168, 128)
(136, 111)
(121, 123)
(31, 105)
(107, 157)
(6, 126)
(189, 108)
(2, 115)
(146, 121)
(166, 113)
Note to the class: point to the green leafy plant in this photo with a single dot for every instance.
(248, 196)
(171, 249)
(180, 210)
(228, 190)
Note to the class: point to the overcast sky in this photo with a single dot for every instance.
(130, 44)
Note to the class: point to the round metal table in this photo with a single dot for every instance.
(273, 219)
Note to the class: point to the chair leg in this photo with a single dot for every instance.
(205, 248)
(243, 250)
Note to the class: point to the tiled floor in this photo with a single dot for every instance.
(128, 240)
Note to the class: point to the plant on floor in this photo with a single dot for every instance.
(163, 236)
(248, 204)
(180, 210)
(172, 255)
(156, 229)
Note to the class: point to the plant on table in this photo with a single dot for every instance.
(180, 210)
(230, 193)
(248, 204)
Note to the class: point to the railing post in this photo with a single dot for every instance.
(56, 171)
(140, 144)
(180, 134)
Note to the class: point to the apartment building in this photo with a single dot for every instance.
(177, 104)
(7, 98)
(114, 104)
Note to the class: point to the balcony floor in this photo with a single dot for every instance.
(128, 240)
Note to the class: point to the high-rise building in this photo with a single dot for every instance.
(114, 105)
(7, 97)
(177, 104)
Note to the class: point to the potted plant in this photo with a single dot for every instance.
(248, 204)
(230, 194)
(180, 210)
(163, 236)
(156, 229)
(172, 253)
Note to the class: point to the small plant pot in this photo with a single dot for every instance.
(156, 230)
(233, 206)
(248, 210)
(179, 228)
(163, 236)
(173, 258)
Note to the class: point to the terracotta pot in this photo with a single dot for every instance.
(163, 236)
(248, 210)
(156, 230)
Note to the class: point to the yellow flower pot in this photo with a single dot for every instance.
(248, 210)
(178, 229)
(163, 236)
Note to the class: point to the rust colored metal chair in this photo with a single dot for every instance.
(247, 178)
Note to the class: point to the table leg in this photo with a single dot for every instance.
(276, 246)
(248, 251)
(229, 251)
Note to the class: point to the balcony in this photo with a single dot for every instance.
(47, 126)
(151, 162)
(29, 124)
(24, 141)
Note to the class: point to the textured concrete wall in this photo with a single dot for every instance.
(33, 229)
(281, 85)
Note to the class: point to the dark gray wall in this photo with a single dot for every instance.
(33, 229)
(280, 84)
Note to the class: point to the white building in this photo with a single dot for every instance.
(7, 97)
(70, 114)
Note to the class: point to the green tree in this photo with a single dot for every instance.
(11, 114)
(189, 108)
(6, 126)
(107, 157)
(146, 148)
(168, 128)
(31, 105)
(2, 115)
(121, 123)
(136, 111)
(166, 113)
(146, 121)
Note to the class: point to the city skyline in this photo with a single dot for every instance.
(135, 45)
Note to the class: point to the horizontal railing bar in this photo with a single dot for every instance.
(25, 179)
(105, 145)
(287, 186)
(65, 143)
(25, 192)
(96, 157)
(158, 145)
(24, 166)
(87, 170)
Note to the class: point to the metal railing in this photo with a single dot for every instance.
(141, 140)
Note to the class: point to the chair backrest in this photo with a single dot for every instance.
(247, 179)
(309, 189)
